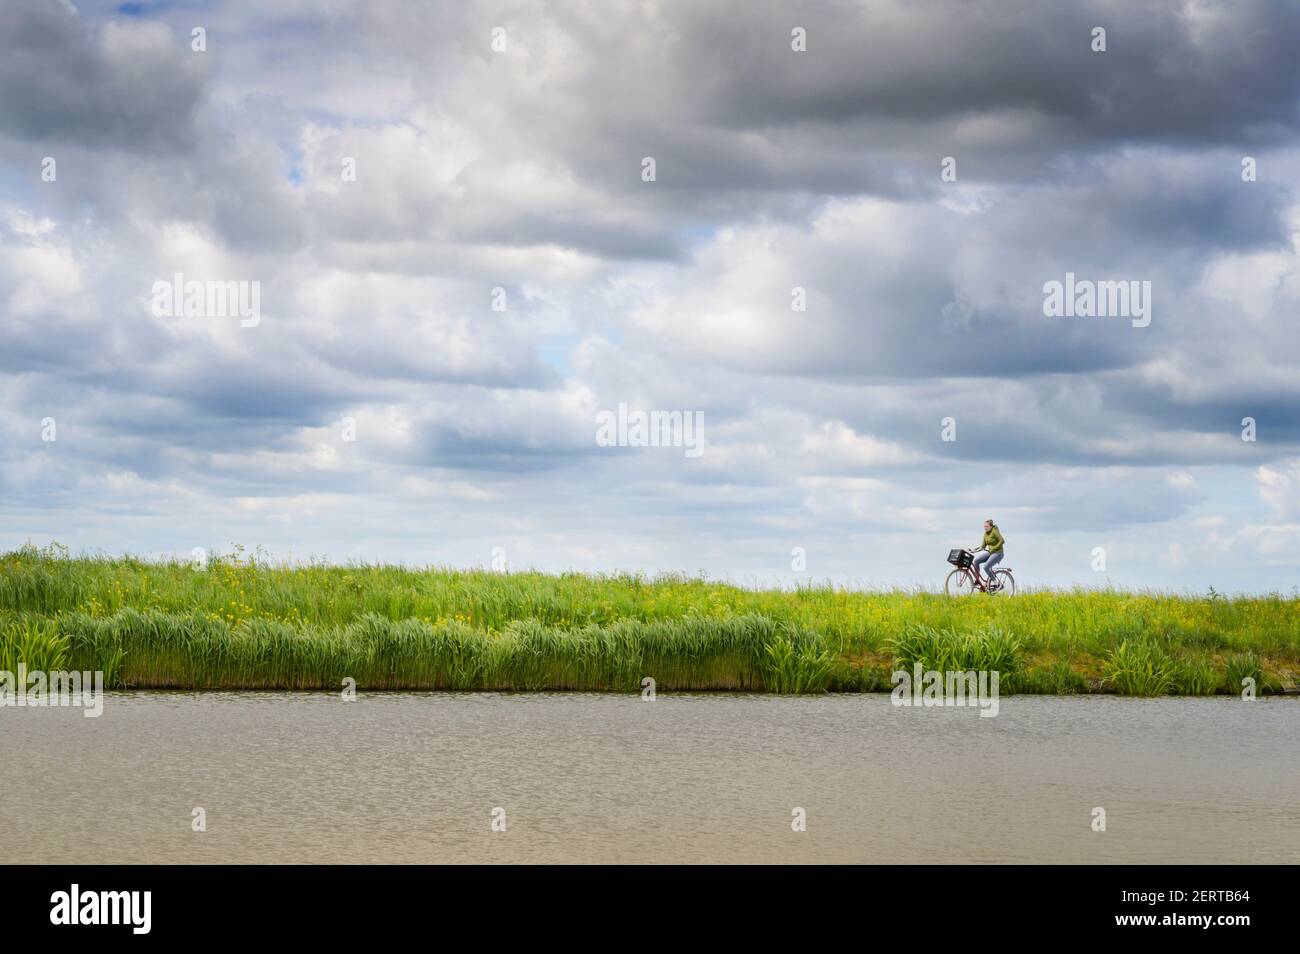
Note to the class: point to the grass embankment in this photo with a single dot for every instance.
(241, 623)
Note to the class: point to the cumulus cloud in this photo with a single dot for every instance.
(460, 265)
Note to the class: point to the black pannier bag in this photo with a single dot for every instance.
(961, 558)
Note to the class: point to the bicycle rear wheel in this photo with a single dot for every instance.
(959, 583)
(1007, 581)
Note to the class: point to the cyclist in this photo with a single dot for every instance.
(992, 555)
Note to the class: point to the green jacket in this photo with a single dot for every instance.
(993, 540)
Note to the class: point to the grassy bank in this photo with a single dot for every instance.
(241, 622)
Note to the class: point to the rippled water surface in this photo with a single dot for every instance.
(415, 777)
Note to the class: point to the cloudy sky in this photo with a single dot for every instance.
(498, 150)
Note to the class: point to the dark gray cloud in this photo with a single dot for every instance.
(885, 90)
(1185, 73)
(133, 86)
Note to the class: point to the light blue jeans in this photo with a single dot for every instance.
(987, 561)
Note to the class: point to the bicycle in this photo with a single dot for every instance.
(963, 580)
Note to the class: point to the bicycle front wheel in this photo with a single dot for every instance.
(959, 583)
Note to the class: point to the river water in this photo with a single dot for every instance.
(415, 777)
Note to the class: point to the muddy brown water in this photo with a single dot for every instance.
(416, 777)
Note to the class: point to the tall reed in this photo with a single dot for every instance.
(243, 620)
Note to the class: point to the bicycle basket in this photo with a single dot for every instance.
(961, 558)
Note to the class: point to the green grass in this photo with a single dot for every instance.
(1240, 668)
(35, 642)
(244, 622)
(1139, 668)
(943, 650)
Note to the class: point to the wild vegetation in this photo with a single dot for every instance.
(244, 622)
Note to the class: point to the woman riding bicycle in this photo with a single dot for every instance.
(992, 555)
